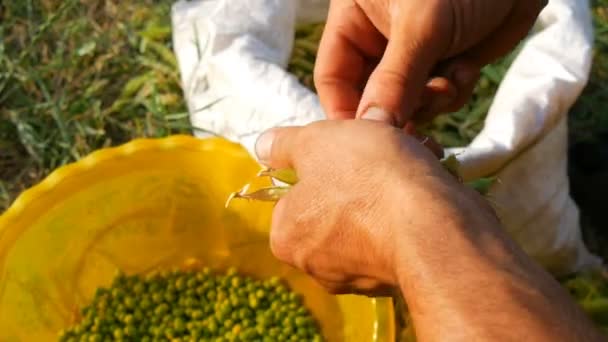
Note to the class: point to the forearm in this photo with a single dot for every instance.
(477, 285)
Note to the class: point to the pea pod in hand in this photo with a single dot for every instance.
(271, 193)
(290, 178)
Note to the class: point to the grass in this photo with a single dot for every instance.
(79, 75)
(589, 117)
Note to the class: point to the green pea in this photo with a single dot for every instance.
(170, 297)
(157, 297)
(155, 331)
(200, 276)
(211, 294)
(139, 288)
(280, 289)
(288, 330)
(179, 325)
(169, 333)
(300, 321)
(260, 294)
(302, 332)
(212, 327)
(274, 281)
(180, 283)
(161, 309)
(130, 330)
(117, 333)
(117, 293)
(95, 338)
(294, 297)
(154, 284)
(196, 314)
(178, 312)
(253, 302)
(194, 306)
(236, 281)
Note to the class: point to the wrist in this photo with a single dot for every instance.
(465, 272)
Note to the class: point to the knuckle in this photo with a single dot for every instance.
(389, 76)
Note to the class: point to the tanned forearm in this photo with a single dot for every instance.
(488, 291)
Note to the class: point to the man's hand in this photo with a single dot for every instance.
(374, 210)
(396, 60)
(363, 186)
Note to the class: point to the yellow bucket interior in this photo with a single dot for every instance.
(145, 206)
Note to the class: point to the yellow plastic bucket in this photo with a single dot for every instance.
(143, 206)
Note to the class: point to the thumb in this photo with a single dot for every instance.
(275, 147)
(396, 85)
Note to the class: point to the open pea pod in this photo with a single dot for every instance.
(268, 194)
(289, 177)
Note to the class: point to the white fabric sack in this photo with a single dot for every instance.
(233, 53)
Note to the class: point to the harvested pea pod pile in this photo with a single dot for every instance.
(194, 306)
(452, 130)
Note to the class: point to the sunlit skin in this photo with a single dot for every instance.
(374, 211)
(410, 60)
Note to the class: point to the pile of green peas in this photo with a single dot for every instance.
(194, 306)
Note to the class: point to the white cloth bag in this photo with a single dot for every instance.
(232, 56)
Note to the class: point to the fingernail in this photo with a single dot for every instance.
(263, 146)
(377, 114)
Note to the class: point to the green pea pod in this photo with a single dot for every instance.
(287, 176)
(269, 194)
(482, 185)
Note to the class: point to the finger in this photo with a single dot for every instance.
(349, 43)
(439, 92)
(514, 28)
(393, 90)
(450, 92)
(275, 147)
(464, 70)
